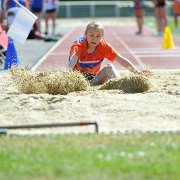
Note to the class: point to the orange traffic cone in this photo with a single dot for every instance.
(168, 42)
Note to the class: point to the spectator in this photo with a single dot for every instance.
(139, 11)
(1, 12)
(50, 13)
(36, 7)
(34, 33)
(10, 15)
(1, 29)
(12, 9)
(160, 11)
(176, 12)
(11, 3)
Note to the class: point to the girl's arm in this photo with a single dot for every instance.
(72, 61)
(126, 63)
(73, 57)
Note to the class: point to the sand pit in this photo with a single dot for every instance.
(155, 107)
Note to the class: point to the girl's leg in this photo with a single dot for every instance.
(139, 19)
(105, 74)
(158, 19)
(163, 19)
(47, 21)
(176, 12)
(176, 20)
(101, 77)
(1, 17)
(38, 21)
(53, 16)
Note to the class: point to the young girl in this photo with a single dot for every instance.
(88, 52)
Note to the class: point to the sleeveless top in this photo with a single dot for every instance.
(50, 4)
(36, 4)
(11, 3)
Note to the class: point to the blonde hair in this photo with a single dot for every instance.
(94, 25)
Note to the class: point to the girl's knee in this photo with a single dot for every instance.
(111, 71)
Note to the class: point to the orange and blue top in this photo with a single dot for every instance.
(91, 63)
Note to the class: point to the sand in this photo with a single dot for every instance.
(115, 111)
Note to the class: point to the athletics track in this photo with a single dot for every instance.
(142, 50)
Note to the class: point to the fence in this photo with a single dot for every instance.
(103, 8)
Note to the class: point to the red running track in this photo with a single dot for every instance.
(142, 50)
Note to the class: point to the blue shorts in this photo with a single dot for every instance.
(50, 10)
(139, 5)
(36, 10)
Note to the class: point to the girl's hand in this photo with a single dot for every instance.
(146, 73)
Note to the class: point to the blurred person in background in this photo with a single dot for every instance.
(161, 17)
(11, 14)
(1, 12)
(36, 7)
(1, 29)
(11, 9)
(50, 13)
(139, 12)
(11, 3)
(176, 13)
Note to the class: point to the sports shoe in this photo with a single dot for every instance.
(138, 33)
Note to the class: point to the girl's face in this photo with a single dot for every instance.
(94, 36)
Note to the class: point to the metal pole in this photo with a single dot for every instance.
(30, 126)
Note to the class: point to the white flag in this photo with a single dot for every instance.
(21, 25)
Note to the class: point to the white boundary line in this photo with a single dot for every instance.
(166, 70)
(158, 55)
(157, 52)
(156, 70)
(156, 49)
(52, 49)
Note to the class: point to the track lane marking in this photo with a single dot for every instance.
(128, 49)
(52, 49)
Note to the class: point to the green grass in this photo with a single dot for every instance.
(76, 157)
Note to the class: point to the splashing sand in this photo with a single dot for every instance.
(64, 81)
(51, 82)
(130, 83)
